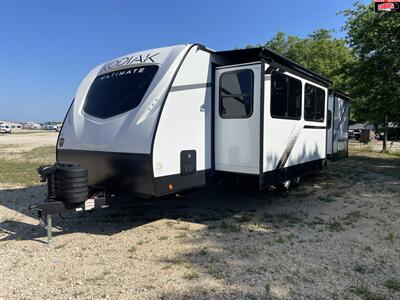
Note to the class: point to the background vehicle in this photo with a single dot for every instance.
(4, 128)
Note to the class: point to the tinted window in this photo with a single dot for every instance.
(314, 104)
(285, 97)
(118, 92)
(236, 94)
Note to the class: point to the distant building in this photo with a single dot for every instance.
(15, 126)
(31, 125)
(359, 126)
(362, 131)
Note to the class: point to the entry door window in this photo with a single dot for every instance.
(236, 94)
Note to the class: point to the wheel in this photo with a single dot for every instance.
(295, 181)
(283, 186)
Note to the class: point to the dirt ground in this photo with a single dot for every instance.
(375, 145)
(27, 141)
(336, 236)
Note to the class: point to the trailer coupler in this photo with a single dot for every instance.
(48, 208)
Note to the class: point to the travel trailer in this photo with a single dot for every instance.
(5, 128)
(162, 121)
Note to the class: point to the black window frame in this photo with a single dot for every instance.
(301, 97)
(315, 100)
(252, 94)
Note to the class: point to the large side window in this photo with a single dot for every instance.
(236, 94)
(314, 104)
(285, 97)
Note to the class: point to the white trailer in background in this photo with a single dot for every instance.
(338, 137)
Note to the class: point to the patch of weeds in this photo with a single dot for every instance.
(169, 223)
(203, 252)
(244, 217)
(95, 279)
(267, 291)
(352, 217)
(149, 287)
(166, 267)
(192, 275)
(212, 226)
(182, 235)
(132, 249)
(184, 227)
(215, 271)
(393, 284)
(364, 293)
(259, 227)
(60, 246)
(390, 237)
(77, 294)
(162, 238)
(280, 240)
(229, 227)
(326, 198)
(360, 268)
(368, 248)
(20, 169)
(334, 226)
(282, 219)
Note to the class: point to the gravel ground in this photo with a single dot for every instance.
(336, 236)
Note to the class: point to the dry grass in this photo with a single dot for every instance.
(19, 168)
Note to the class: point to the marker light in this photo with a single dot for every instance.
(61, 142)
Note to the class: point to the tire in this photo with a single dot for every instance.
(294, 182)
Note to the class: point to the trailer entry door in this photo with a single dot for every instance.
(237, 119)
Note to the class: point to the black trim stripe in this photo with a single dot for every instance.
(262, 99)
(289, 147)
(314, 127)
(190, 86)
(286, 153)
(62, 126)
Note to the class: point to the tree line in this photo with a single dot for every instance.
(365, 64)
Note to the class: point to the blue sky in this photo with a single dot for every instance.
(47, 47)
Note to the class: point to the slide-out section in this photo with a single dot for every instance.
(294, 134)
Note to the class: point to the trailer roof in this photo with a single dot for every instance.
(340, 94)
(256, 54)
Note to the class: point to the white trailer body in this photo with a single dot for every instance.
(337, 137)
(169, 119)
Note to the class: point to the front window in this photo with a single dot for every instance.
(117, 92)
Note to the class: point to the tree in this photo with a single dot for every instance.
(319, 52)
(374, 79)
